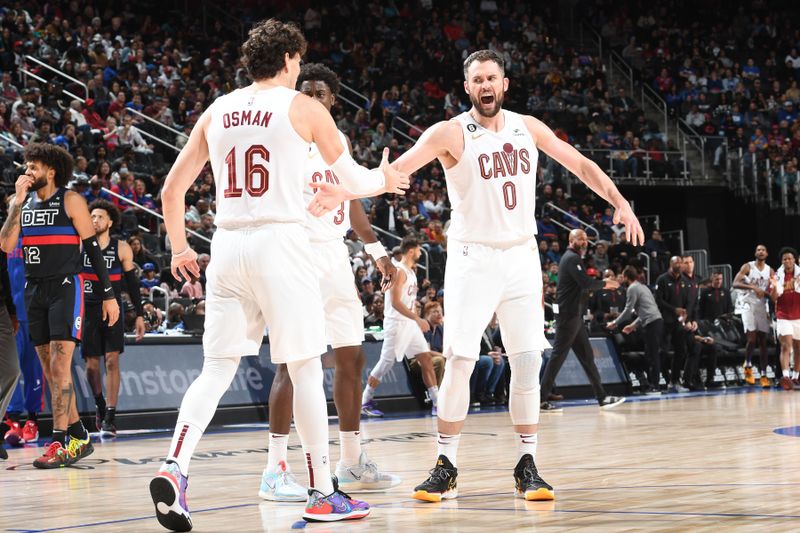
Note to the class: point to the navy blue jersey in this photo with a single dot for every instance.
(50, 243)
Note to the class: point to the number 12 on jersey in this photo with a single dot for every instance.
(256, 174)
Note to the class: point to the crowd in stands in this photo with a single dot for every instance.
(729, 72)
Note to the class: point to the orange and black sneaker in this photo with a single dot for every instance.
(749, 378)
(766, 383)
(55, 456)
(440, 485)
(529, 484)
(77, 449)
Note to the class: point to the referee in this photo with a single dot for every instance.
(573, 293)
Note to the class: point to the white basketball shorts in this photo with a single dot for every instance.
(402, 338)
(789, 327)
(755, 317)
(480, 280)
(344, 318)
(262, 277)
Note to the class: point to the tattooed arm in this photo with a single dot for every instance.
(10, 232)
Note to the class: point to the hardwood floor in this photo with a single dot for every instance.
(697, 463)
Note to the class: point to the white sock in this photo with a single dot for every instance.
(527, 444)
(184, 442)
(433, 393)
(448, 446)
(311, 421)
(278, 445)
(795, 374)
(349, 447)
(787, 373)
(369, 393)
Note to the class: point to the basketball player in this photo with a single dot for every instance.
(753, 280)
(261, 270)
(344, 326)
(490, 156)
(404, 331)
(785, 284)
(53, 222)
(100, 339)
(9, 361)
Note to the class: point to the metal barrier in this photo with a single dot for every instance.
(157, 288)
(60, 73)
(398, 238)
(587, 227)
(621, 164)
(727, 273)
(655, 218)
(700, 262)
(354, 94)
(679, 234)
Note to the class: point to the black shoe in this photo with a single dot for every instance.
(530, 486)
(553, 397)
(487, 400)
(441, 485)
(609, 402)
(3, 452)
(474, 401)
(551, 407)
(108, 429)
(99, 416)
(500, 399)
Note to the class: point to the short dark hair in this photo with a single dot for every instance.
(788, 250)
(109, 208)
(53, 156)
(630, 273)
(318, 72)
(408, 243)
(266, 45)
(484, 55)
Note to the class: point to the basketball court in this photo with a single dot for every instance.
(697, 462)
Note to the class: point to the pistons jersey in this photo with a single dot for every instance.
(50, 243)
(408, 293)
(492, 188)
(92, 289)
(254, 152)
(333, 225)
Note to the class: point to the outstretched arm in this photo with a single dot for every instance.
(443, 140)
(589, 173)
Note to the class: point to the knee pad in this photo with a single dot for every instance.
(454, 392)
(523, 397)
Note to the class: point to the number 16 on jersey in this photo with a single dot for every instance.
(256, 174)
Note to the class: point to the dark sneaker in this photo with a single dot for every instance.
(529, 485)
(610, 402)
(440, 485)
(551, 407)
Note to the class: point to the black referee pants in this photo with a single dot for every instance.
(571, 333)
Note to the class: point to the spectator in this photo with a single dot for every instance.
(125, 189)
(375, 308)
(175, 317)
(554, 254)
(546, 229)
(192, 289)
(367, 289)
(149, 278)
(141, 255)
(435, 336)
(489, 370)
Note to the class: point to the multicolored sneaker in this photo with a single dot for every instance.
(334, 507)
(749, 378)
(529, 485)
(79, 448)
(13, 436)
(168, 490)
(281, 486)
(55, 456)
(786, 384)
(30, 431)
(370, 409)
(364, 476)
(440, 485)
(765, 382)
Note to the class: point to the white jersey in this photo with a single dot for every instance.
(408, 293)
(254, 152)
(333, 224)
(757, 278)
(492, 188)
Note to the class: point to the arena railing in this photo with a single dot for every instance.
(399, 239)
(587, 227)
(59, 73)
(355, 95)
(613, 164)
(646, 259)
(678, 233)
(655, 218)
(727, 273)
